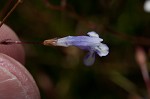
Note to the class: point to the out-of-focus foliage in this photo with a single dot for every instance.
(60, 72)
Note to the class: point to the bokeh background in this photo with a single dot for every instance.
(59, 72)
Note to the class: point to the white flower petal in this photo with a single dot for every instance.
(92, 34)
(102, 50)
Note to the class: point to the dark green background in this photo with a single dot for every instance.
(121, 23)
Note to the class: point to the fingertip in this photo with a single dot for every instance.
(15, 51)
(15, 81)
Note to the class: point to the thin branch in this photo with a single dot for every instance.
(5, 8)
(14, 7)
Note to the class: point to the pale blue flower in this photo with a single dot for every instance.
(92, 43)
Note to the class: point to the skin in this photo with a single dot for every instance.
(15, 81)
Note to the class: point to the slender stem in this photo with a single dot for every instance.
(49, 42)
(24, 42)
(5, 8)
(18, 2)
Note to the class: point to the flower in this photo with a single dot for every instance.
(92, 43)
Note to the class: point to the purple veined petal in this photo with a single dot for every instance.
(84, 41)
(62, 41)
(102, 50)
(78, 41)
(89, 58)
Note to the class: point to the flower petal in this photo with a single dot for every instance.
(63, 41)
(93, 34)
(89, 58)
(102, 49)
(82, 42)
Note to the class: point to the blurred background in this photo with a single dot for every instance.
(59, 72)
